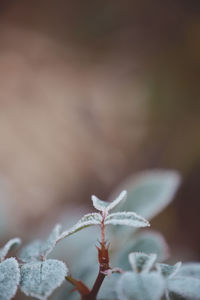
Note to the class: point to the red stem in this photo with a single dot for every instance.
(93, 294)
(103, 257)
(103, 229)
(103, 264)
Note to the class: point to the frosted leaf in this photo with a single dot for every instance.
(151, 242)
(149, 192)
(87, 265)
(51, 241)
(126, 218)
(190, 270)
(31, 252)
(108, 206)
(85, 221)
(167, 270)
(99, 204)
(146, 242)
(108, 288)
(143, 286)
(141, 262)
(38, 250)
(40, 279)
(8, 247)
(184, 287)
(9, 278)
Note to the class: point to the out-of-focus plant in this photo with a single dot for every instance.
(9, 271)
(138, 272)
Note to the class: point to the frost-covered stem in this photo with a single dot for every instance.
(103, 263)
(103, 228)
(103, 255)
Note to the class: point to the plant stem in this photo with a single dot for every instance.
(103, 257)
(103, 264)
(103, 229)
(93, 294)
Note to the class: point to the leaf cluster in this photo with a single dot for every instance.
(139, 271)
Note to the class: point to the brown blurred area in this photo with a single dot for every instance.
(92, 91)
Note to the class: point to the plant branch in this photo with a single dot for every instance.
(103, 257)
(93, 294)
(79, 285)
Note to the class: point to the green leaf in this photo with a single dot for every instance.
(31, 252)
(86, 221)
(8, 247)
(141, 262)
(173, 297)
(79, 252)
(143, 286)
(39, 250)
(88, 267)
(52, 240)
(109, 287)
(40, 279)
(186, 287)
(150, 191)
(126, 218)
(108, 206)
(190, 270)
(147, 242)
(167, 270)
(9, 278)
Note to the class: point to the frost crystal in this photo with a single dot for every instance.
(9, 278)
(85, 221)
(108, 206)
(8, 247)
(40, 279)
(167, 270)
(126, 218)
(141, 262)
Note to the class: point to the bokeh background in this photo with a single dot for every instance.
(90, 93)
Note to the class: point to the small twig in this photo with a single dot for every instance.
(79, 286)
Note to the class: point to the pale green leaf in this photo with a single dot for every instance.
(99, 204)
(83, 266)
(85, 221)
(143, 286)
(190, 270)
(149, 192)
(126, 218)
(8, 247)
(108, 206)
(40, 279)
(9, 278)
(38, 250)
(108, 290)
(187, 288)
(52, 240)
(147, 242)
(141, 262)
(167, 270)
(31, 252)
(87, 265)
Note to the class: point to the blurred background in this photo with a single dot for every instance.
(92, 92)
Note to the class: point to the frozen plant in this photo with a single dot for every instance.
(138, 272)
